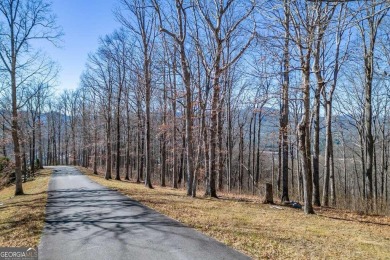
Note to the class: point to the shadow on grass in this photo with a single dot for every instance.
(23, 225)
(37, 203)
(167, 189)
(36, 193)
(354, 220)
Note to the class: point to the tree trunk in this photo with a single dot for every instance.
(32, 155)
(316, 150)
(174, 150)
(108, 147)
(163, 136)
(325, 193)
(128, 142)
(15, 127)
(332, 174)
(118, 136)
(148, 89)
(240, 159)
(285, 105)
(189, 120)
(368, 131)
(268, 194)
(220, 150)
(229, 142)
(304, 143)
(139, 144)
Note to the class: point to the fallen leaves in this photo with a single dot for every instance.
(22, 217)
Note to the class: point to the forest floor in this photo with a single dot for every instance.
(22, 217)
(263, 231)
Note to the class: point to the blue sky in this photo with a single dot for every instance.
(83, 22)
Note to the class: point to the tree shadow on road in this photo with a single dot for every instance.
(101, 212)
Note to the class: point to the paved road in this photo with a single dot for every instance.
(85, 220)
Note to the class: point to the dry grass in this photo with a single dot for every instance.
(268, 233)
(22, 217)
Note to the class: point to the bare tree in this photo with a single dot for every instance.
(100, 78)
(373, 15)
(142, 23)
(180, 36)
(304, 21)
(24, 21)
(338, 59)
(221, 24)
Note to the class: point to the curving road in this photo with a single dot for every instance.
(85, 220)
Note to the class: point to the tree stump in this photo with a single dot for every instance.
(269, 198)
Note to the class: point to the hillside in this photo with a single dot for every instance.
(265, 231)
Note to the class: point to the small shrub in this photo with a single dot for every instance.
(7, 174)
(4, 163)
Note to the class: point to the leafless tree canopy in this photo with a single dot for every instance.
(213, 96)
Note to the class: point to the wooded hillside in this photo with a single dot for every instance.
(227, 95)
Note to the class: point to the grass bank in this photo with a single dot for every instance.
(266, 232)
(22, 217)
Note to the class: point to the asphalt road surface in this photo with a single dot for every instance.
(85, 220)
